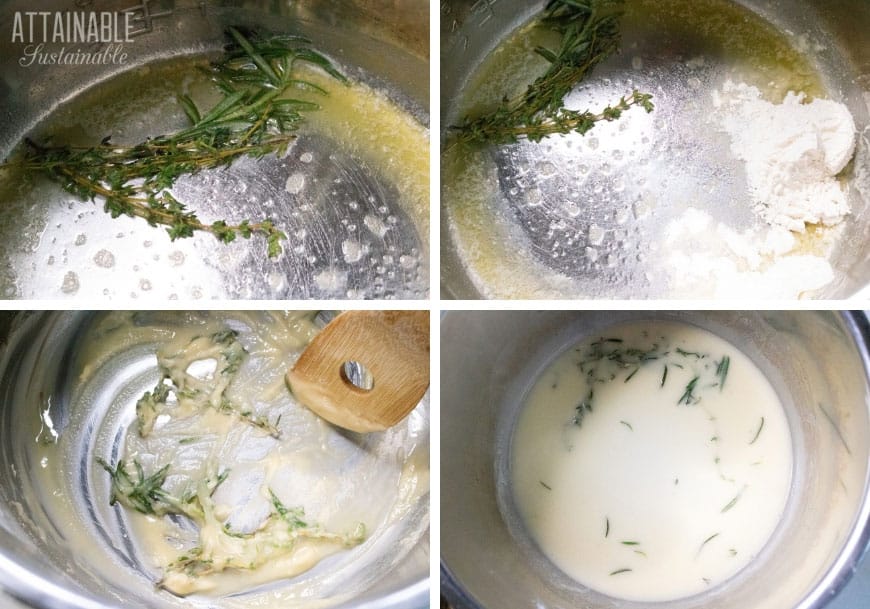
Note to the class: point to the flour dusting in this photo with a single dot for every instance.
(793, 152)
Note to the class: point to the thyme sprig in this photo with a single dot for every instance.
(254, 118)
(589, 31)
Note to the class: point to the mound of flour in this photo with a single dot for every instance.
(793, 152)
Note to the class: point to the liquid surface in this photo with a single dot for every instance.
(584, 215)
(662, 477)
(351, 194)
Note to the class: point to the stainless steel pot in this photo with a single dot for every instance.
(819, 364)
(587, 216)
(354, 228)
(62, 546)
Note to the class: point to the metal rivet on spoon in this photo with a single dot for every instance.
(366, 370)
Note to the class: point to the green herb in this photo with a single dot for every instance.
(722, 371)
(758, 433)
(733, 502)
(292, 516)
(589, 31)
(545, 485)
(630, 543)
(606, 359)
(229, 353)
(708, 540)
(142, 493)
(606, 527)
(689, 396)
(584, 407)
(618, 571)
(254, 118)
(150, 405)
(627, 424)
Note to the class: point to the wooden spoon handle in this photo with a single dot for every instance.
(392, 345)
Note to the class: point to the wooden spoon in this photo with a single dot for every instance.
(392, 345)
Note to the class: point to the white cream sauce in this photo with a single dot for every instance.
(658, 492)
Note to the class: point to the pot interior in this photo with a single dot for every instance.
(652, 205)
(816, 362)
(70, 384)
(350, 194)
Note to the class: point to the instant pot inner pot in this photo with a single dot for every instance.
(351, 194)
(609, 214)
(64, 403)
(815, 361)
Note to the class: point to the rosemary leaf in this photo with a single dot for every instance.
(689, 396)
(758, 433)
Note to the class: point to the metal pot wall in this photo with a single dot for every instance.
(818, 362)
(353, 228)
(62, 546)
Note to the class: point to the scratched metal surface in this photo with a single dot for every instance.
(585, 216)
(352, 232)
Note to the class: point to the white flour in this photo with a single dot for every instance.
(793, 152)
(712, 260)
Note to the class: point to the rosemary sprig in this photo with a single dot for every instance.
(589, 31)
(254, 118)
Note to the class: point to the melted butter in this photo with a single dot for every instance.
(650, 494)
(365, 122)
